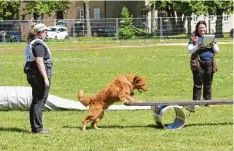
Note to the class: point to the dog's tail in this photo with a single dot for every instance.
(84, 100)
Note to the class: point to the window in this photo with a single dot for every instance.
(23, 17)
(96, 12)
(226, 18)
(143, 14)
(59, 14)
(195, 18)
(81, 14)
(62, 30)
(212, 18)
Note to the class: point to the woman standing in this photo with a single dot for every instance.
(202, 63)
(38, 68)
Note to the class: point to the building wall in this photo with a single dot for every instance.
(107, 9)
(227, 25)
(97, 5)
(74, 10)
(114, 8)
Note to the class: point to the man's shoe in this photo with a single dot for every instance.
(43, 131)
(190, 108)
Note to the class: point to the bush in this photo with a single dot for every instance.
(126, 29)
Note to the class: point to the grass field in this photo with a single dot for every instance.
(167, 71)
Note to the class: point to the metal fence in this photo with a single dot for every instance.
(161, 27)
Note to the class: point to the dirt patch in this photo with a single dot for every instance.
(107, 47)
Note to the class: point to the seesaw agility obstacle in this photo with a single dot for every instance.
(159, 108)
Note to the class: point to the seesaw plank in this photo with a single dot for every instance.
(181, 103)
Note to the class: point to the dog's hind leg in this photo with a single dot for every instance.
(94, 113)
(88, 119)
(85, 122)
(99, 118)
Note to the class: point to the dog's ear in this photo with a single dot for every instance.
(137, 79)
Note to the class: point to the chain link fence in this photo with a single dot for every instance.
(161, 28)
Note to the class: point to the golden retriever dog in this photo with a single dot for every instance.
(119, 89)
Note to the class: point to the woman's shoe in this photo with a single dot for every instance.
(43, 131)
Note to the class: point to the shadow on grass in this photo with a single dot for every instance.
(149, 126)
(209, 124)
(13, 129)
(115, 126)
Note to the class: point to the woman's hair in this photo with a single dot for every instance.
(32, 33)
(197, 25)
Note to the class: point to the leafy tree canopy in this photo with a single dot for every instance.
(9, 10)
(218, 7)
(187, 7)
(45, 7)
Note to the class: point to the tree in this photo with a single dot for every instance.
(9, 10)
(183, 10)
(39, 8)
(126, 29)
(87, 17)
(218, 8)
(197, 8)
(153, 9)
(186, 8)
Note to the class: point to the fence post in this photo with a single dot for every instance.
(161, 29)
(117, 29)
(73, 29)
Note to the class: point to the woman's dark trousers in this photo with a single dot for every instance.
(39, 96)
(203, 78)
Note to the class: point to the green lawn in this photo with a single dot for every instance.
(169, 78)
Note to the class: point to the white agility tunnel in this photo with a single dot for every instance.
(20, 97)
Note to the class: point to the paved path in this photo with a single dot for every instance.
(136, 46)
(116, 46)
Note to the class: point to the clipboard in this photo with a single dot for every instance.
(208, 39)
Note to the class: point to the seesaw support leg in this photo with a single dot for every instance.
(179, 121)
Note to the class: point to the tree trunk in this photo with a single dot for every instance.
(172, 23)
(219, 24)
(189, 18)
(37, 17)
(88, 25)
(180, 24)
(154, 21)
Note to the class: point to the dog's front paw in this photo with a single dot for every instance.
(83, 128)
(98, 128)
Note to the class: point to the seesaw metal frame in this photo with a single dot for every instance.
(159, 108)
